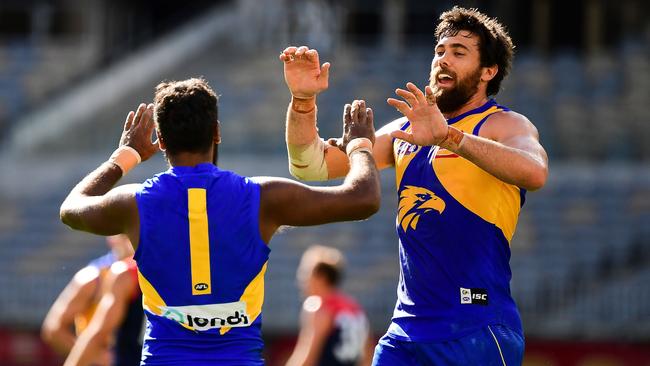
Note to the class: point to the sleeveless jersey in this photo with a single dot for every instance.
(454, 223)
(346, 342)
(201, 264)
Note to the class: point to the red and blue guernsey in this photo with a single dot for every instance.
(346, 342)
(201, 265)
(454, 222)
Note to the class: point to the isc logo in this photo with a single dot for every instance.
(201, 286)
(477, 296)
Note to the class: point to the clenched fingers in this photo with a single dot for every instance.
(301, 51)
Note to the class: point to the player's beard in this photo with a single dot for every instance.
(451, 99)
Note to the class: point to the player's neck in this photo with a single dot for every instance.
(474, 102)
(325, 291)
(189, 158)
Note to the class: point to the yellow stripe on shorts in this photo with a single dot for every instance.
(197, 211)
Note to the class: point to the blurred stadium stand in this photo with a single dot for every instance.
(580, 257)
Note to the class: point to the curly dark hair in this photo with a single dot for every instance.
(186, 112)
(495, 45)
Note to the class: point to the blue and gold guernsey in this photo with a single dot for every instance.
(201, 265)
(454, 222)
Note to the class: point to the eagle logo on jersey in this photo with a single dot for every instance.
(415, 201)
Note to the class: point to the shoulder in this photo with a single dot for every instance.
(383, 149)
(228, 179)
(391, 126)
(121, 276)
(119, 267)
(312, 304)
(274, 184)
(86, 276)
(316, 310)
(504, 124)
(343, 301)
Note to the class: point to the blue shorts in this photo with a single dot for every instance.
(493, 345)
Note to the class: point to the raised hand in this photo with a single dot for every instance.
(138, 130)
(357, 122)
(303, 73)
(428, 125)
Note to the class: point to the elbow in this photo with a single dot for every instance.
(369, 203)
(65, 215)
(46, 334)
(374, 203)
(537, 179)
(49, 333)
(368, 209)
(68, 217)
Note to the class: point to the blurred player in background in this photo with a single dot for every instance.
(334, 329)
(75, 307)
(201, 232)
(463, 165)
(117, 323)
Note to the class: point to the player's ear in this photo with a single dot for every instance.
(161, 142)
(217, 133)
(489, 72)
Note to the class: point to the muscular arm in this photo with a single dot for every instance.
(94, 205)
(95, 340)
(286, 202)
(508, 148)
(301, 130)
(57, 329)
(306, 78)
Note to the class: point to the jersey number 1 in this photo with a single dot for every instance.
(197, 211)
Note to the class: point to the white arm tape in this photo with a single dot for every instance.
(307, 162)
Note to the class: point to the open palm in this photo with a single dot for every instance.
(428, 125)
(303, 73)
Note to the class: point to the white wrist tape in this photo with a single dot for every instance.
(126, 158)
(359, 144)
(307, 162)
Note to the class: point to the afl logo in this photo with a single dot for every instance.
(201, 286)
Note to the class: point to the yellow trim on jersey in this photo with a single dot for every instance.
(253, 296)
(476, 189)
(151, 300)
(197, 212)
